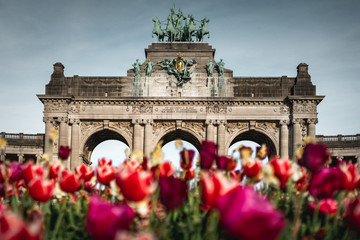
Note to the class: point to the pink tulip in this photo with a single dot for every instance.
(314, 157)
(173, 192)
(105, 220)
(326, 183)
(247, 215)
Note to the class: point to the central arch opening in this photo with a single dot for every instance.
(172, 154)
(105, 143)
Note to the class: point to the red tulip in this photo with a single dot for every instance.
(186, 158)
(326, 206)
(64, 152)
(326, 183)
(314, 157)
(69, 182)
(30, 172)
(190, 174)
(41, 190)
(213, 186)
(252, 169)
(105, 174)
(225, 163)
(173, 192)
(12, 227)
(166, 169)
(85, 172)
(135, 185)
(350, 176)
(302, 181)
(282, 169)
(105, 220)
(352, 214)
(246, 215)
(104, 161)
(54, 170)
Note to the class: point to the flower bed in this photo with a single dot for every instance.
(145, 198)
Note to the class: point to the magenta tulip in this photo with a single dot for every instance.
(247, 215)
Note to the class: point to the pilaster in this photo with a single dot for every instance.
(284, 139)
(137, 135)
(296, 133)
(148, 136)
(221, 136)
(210, 130)
(75, 143)
(311, 128)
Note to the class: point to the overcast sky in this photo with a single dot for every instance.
(255, 38)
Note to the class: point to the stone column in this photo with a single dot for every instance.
(210, 130)
(148, 136)
(284, 139)
(296, 134)
(48, 127)
(311, 128)
(137, 135)
(75, 143)
(63, 132)
(221, 137)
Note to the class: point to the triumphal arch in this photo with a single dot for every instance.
(181, 90)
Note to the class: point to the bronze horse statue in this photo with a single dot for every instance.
(157, 30)
(203, 30)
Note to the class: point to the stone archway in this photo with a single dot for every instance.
(96, 138)
(258, 137)
(183, 135)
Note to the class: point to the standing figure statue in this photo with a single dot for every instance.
(210, 67)
(178, 26)
(137, 66)
(220, 66)
(149, 68)
(157, 30)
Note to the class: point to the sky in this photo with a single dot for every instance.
(259, 38)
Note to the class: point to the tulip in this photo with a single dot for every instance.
(12, 227)
(314, 157)
(104, 161)
(213, 186)
(326, 206)
(326, 183)
(41, 190)
(209, 147)
(206, 159)
(4, 173)
(105, 220)
(186, 158)
(252, 169)
(302, 180)
(190, 174)
(262, 152)
(173, 192)
(225, 163)
(282, 169)
(30, 172)
(245, 153)
(105, 174)
(6, 190)
(352, 214)
(166, 169)
(135, 185)
(246, 215)
(85, 172)
(64, 152)
(54, 170)
(350, 176)
(69, 182)
(16, 170)
(88, 186)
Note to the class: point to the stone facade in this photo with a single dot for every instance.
(142, 110)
